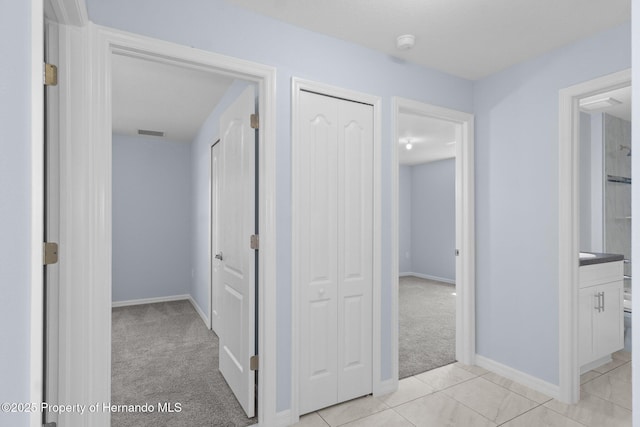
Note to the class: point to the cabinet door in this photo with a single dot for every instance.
(586, 309)
(608, 324)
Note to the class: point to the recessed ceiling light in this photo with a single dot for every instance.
(405, 41)
(599, 103)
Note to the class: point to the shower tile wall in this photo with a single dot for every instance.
(617, 137)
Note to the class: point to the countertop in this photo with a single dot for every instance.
(600, 258)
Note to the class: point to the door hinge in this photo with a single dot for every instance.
(255, 121)
(254, 362)
(50, 75)
(50, 253)
(255, 241)
(457, 252)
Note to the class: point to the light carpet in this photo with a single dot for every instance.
(427, 315)
(163, 353)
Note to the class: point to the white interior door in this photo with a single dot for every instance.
(216, 252)
(334, 235)
(237, 269)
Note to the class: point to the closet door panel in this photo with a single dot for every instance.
(317, 234)
(355, 248)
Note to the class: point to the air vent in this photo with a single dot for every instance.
(598, 104)
(150, 132)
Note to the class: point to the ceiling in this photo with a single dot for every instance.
(466, 38)
(622, 110)
(156, 96)
(431, 139)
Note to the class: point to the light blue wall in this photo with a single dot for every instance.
(200, 161)
(15, 205)
(217, 26)
(151, 217)
(404, 219)
(433, 219)
(517, 199)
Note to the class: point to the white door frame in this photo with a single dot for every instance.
(36, 149)
(85, 185)
(568, 231)
(212, 181)
(298, 85)
(465, 226)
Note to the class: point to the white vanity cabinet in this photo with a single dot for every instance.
(601, 316)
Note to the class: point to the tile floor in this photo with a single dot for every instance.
(469, 396)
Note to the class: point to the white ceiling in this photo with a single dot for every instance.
(162, 97)
(622, 110)
(467, 38)
(432, 139)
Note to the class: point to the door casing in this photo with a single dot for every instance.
(85, 185)
(465, 226)
(569, 223)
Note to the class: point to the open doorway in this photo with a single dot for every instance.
(427, 285)
(595, 182)
(433, 236)
(164, 353)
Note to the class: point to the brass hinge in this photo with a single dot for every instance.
(254, 362)
(255, 121)
(255, 242)
(50, 253)
(50, 75)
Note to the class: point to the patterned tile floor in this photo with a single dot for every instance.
(469, 396)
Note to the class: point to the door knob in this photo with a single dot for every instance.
(219, 256)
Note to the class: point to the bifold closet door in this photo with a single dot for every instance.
(334, 232)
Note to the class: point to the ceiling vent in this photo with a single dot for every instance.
(598, 103)
(150, 132)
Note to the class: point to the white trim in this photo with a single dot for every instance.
(152, 300)
(170, 298)
(86, 178)
(67, 12)
(386, 387)
(569, 218)
(297, 85)
(520, 377)
(429, 277)
(465, 225)
(284, 419)
(200, 312)
(36, 329)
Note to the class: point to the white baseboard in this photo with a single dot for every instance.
(385, 387)
(429, 277)
(149, 300)
(187, 297)
(530, 381)
(284, 418)
(204, 317)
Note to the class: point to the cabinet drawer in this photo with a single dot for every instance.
(596, 274)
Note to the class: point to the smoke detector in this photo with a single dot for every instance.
(405, 41)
